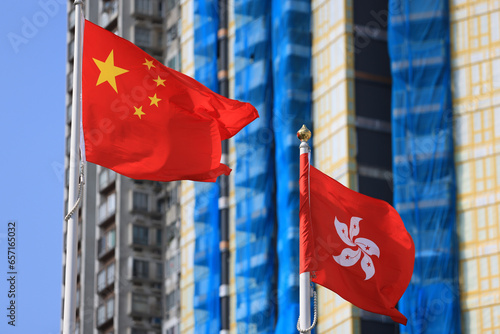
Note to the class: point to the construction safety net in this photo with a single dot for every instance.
(206, 266)
(423, 165)
(254, 177)
(291, 54)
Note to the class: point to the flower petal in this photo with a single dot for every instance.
(342, 232)
(348, 257)
(354, 229)
(368, 246)
(367, 266)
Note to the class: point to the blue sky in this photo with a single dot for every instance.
(32, 88)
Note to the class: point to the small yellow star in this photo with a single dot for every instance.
(148, 63)
(154, 100)
(109, 71)
(139, 112)
(159, 81)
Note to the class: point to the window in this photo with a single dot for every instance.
(111, 203)
(106, 277)
(101, 280)
(158, 237)
(69, 83)
(107, 207)
(173, 33)
(173, 264)
(140, 269)
(142, 36)
(140, 235)
(106, 177)
(105, 311)
(173, 299)
(110, 308)
(103, 179)
(175, 62)
(101, 315)
(69, 110)
(159, 8)
(140, 201)
(173, 330)
(106, 243)
(160, 205)
(140, 303)
(159, 271)
(142, 6)
(110, 7)
(171, 231)
(171, 4)
(139, 331)
(111, 237)
(110, 273)
(71, 49)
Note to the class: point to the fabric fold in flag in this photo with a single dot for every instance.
(147, 121)
(352, 244)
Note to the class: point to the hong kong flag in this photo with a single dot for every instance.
(147, 121)
(352, 244)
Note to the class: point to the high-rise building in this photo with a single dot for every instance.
(475, 70)
(128, 258)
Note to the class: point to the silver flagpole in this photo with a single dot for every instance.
(304, 279)
(72, 231)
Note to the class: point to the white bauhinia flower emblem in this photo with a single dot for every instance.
(365, 247)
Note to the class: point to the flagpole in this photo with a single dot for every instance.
(74, 171)
(304, 279)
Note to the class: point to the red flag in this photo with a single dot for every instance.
(352, 244)
(146, 121)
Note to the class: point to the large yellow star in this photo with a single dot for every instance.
(148, 63)
(154, 100)
(159, 81)
(108, 71)
(139, 112)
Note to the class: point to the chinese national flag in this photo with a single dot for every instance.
(352, 244)
(146, 121)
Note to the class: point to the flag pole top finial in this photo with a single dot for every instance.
(304, 134)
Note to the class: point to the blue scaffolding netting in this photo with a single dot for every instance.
(423, 165)
(291, 53)
(206, 272)
(254, 177)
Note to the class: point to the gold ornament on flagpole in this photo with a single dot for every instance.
(304, 134)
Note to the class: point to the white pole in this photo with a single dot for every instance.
(71, 230)
(304, 278)
(305, 300)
